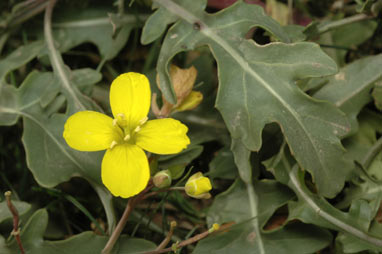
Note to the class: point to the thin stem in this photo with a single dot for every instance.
(162, 190)
(189, 234)
(373, 151)
(118, 230)
(342, 22)
(85, 211)
(144, 219)
(325, 210)
(125, 20)
(15, 214)
(168, 237)
(122, 222)
(254, 205)
(101, 64)
(56, 58)
(190, 240)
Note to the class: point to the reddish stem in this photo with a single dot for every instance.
(15, 214)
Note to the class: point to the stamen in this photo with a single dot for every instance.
(137, 129)
(127, 137)
(114, 143)
(120, 120)
(143, 120)
(115, 121)
(122, 116)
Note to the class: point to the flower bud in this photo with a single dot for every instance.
(183, 81)
(214, 227)
(190, 102)
(162, 179)
(198, 186)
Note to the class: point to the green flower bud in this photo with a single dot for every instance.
(198, 186)
(162, 179)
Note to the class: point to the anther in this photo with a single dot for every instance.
(115, 122)
(127, 137)
(143, 120)
(122, 116)
(137, 129)
(114, 143)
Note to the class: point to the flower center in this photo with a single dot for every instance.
(128, 131)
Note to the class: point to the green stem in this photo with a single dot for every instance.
(152, 226)
(56, 58)
(125, 19)
(253, 204)
(85, 211)
(342, 22)
(316, 203)
(373, 151)
(242, 157)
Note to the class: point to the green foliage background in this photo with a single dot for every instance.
(289, 131)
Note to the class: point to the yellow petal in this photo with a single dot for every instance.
(130, 97)
(197, 185)
(163, 136)
(90, 131)
(190, 102)
(125, 170)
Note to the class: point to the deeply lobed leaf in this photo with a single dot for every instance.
(256, 85)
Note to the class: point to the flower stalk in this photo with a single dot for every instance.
(16, 230)
(193, 239)
(122, 222)
(168, 237)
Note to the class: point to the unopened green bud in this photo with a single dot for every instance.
(162, 179)
(198, 186)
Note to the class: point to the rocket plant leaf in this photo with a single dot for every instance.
(32, 237)
(48, 156)
(257, 84)
(314, 209)
(350, 88)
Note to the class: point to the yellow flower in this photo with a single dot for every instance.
(198, 186)
(125, 169)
